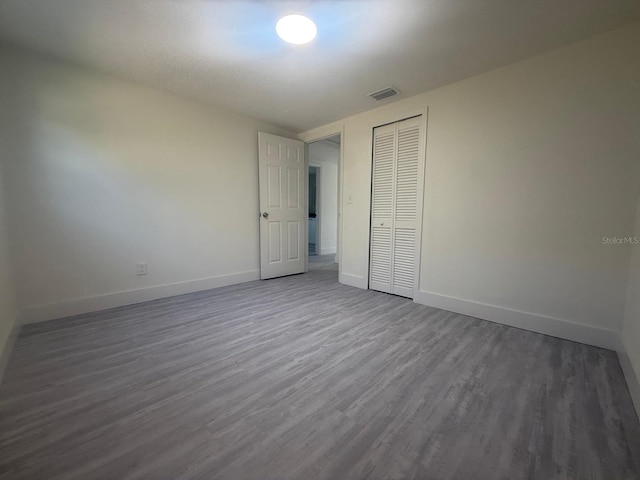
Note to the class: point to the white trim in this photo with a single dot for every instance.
(39, 313)
(306, 206)
(5, 350)
(340, 197)
(318, 167)
(328, 251)
(357, 281)
(631, 373)
(422, 188)
(556, 327)
(325, 131)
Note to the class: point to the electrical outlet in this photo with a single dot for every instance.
(141, 268)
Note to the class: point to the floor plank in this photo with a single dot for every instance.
(303, 378)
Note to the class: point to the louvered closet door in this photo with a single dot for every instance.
(405, 225)
(396, 206)
(384, 155)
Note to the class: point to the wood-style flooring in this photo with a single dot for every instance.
(322, 262)
(304, 378)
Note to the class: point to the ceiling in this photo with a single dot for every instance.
(226, 53)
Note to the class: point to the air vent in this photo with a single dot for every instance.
(384, 93)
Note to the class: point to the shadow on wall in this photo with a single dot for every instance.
(103, 174)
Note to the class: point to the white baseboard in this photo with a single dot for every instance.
(357, 281)
(631, 369)
(5, 350)
(327, 251)
(555, 327)
(51, 311)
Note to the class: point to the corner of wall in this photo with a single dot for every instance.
(631, 374)
(629, 352)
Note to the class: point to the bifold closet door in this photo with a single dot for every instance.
(384, 158)
(398, 173)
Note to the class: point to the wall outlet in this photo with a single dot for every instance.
(141, 268)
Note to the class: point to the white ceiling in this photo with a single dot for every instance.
(227, 53)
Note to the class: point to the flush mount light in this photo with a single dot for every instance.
(296, 29)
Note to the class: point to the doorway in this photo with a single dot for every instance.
(314, 191)
(323, 191)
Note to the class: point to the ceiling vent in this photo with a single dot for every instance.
(384, 93)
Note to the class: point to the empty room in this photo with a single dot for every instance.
(319, 239)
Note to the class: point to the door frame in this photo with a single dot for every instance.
(318, 168)
(424, 113)
(325, 133)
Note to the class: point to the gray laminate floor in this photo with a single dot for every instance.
(322, 262)
(303, 378)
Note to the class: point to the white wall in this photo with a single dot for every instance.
(631, 325)
(104, 173)
(7, 299)
(326, 155)
(527, 168)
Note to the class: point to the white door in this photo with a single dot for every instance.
(396, 206)
(384, 154)
(283, 220)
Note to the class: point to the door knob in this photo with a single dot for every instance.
(265, 215)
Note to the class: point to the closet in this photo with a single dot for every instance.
(396, 206)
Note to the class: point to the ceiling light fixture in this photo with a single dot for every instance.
(296, 29)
